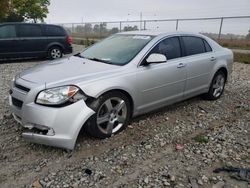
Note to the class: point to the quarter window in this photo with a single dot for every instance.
(29, 31)
(7, 31)
(207, 46)
(54, 31)
(169, 47)
(193, 45)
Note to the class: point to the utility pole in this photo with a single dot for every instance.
(140, 21)
(221, 23)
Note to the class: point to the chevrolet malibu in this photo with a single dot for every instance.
(125, 75)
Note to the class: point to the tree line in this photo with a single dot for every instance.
(23, 10)
(100, 28)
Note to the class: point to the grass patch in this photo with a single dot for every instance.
(235, 43)
(200, 139)
(242, 58)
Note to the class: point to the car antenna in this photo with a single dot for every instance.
(45, 85)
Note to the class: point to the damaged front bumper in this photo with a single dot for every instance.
(48, 125)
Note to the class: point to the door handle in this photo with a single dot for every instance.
(181, 65)
(212, 59)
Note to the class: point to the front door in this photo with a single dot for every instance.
(8, 41)
(162, 83)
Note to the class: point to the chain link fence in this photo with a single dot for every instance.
(223, 29)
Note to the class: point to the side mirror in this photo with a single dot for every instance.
(156, 58)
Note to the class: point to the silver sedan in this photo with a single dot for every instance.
(103, 87)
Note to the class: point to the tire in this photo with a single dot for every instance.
(113, 112)
(55, 52)
(217, 86)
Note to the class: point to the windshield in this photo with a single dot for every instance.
(117, 49)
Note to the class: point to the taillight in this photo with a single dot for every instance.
(69, 39)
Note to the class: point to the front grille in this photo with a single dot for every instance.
(22, 87)
(17, 102)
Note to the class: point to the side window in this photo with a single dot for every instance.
(207, 46)
(169, 47)
(29, 30)
(54, 31)
(7, 31)
(193, 45)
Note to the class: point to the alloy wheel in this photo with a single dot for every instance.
(218, 85)
(56, 53)
(112, 115)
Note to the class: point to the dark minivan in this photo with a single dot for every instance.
(19, 40)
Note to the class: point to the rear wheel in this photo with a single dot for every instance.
(55, 52)
(217, 86)
(112, 115)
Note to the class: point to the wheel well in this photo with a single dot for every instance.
(224, 70)
(131, 101)
(55, 45)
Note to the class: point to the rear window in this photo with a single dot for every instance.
(29, 30)
(193, 45)
(54, 31)
(7, 31)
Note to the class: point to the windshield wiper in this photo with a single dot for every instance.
(79, 55)
(100, 60)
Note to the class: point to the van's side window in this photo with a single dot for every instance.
(169, 47)
(193, 45)
(7, 31)
(29, 31)
(51, 30)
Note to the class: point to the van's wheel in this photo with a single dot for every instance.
(217, 86)
(55, 52)
(113, 111)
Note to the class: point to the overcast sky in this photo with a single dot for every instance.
(78, 11)
(62, 11)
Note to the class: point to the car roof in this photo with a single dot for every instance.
(158, 32)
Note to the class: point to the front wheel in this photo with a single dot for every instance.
(217, 86)
(112, 115)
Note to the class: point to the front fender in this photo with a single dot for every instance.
(126, 84)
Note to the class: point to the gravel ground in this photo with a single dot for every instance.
(176, 146)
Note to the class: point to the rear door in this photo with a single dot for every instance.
(200, 61)
(8, 41)
(32, 42)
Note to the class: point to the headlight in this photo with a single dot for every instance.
(59, 95)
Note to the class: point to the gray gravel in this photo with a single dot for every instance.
(210, 134)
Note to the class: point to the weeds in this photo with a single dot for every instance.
(242, 58)
(201, 139)
(235, 43)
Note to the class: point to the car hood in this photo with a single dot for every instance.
(64, 70)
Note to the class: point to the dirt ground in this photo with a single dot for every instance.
(210, 134)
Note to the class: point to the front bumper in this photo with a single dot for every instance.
(59, 126)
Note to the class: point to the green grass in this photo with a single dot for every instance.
(242, 58)
(200, 139)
